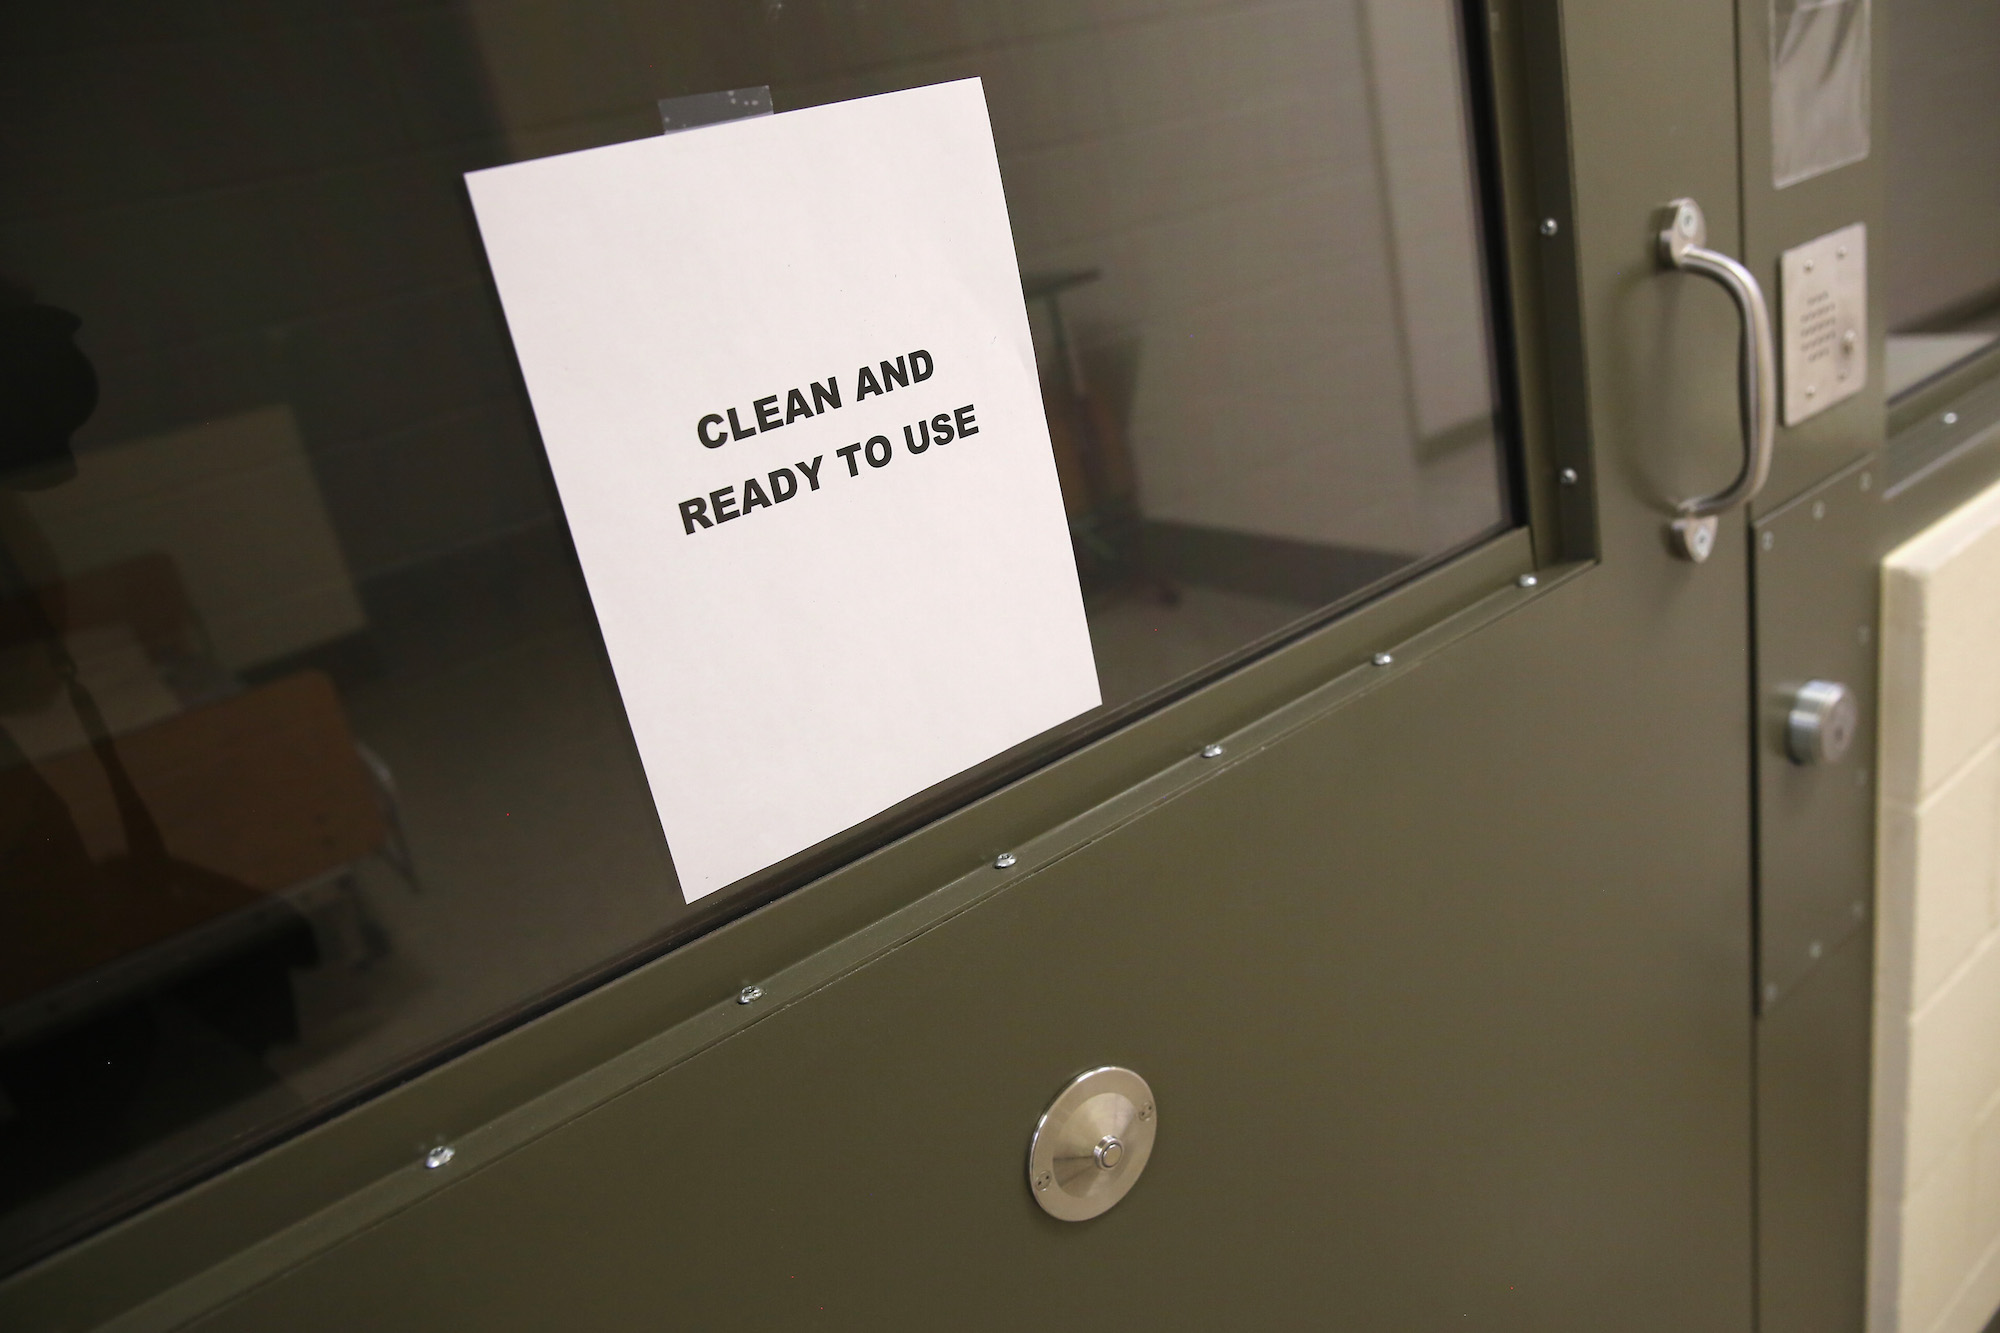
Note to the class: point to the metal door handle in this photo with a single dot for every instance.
(1683, 245)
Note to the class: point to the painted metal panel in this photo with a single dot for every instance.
(1442, 981)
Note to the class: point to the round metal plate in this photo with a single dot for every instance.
(1092, 1143)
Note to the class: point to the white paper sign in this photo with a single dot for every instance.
(783, 373)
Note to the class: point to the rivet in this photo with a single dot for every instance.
(1812, 391)
(1002, 861)
(1770, 540)
(1550, 226)
(1840, 253)
(1383, 659)
(1868, 481)
(438, 1156)
(750, 995)
(1211, 752)
(1526, 581)
(1814, 950)
(1819, 509)
(1809, 266)
(1951, 418)
(1567, 476)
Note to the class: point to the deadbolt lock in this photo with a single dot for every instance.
(1821, 724)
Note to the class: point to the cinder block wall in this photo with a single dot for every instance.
(1935, 1244)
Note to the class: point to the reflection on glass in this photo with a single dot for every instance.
(310, 761)
(1942, 247)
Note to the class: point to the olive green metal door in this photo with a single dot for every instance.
(1430, 927)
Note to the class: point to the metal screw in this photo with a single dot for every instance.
(1044, 1180)
(1770, 540)
(1688, 220)
(1211, 752)
(750, 995)
(1812, 390)
(438, 1156)
(1567, 476)
(1002, 861)
(1951, 418)
(1383, 659)
(1840, 253)
(1146, 1111)
(1550, 226)
(1814, 950)
(1809, 266)
(1868, 481)
(1526, 581)
(1819, 509)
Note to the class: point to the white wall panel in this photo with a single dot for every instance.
(1935, 1233)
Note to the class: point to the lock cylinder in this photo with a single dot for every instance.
(1820, 727)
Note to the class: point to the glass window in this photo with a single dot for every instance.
(1943, 244)
(311, 763)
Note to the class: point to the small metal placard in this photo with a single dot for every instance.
(1823, 299)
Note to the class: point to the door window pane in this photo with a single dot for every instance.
(1943, 241)
(311, 763)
